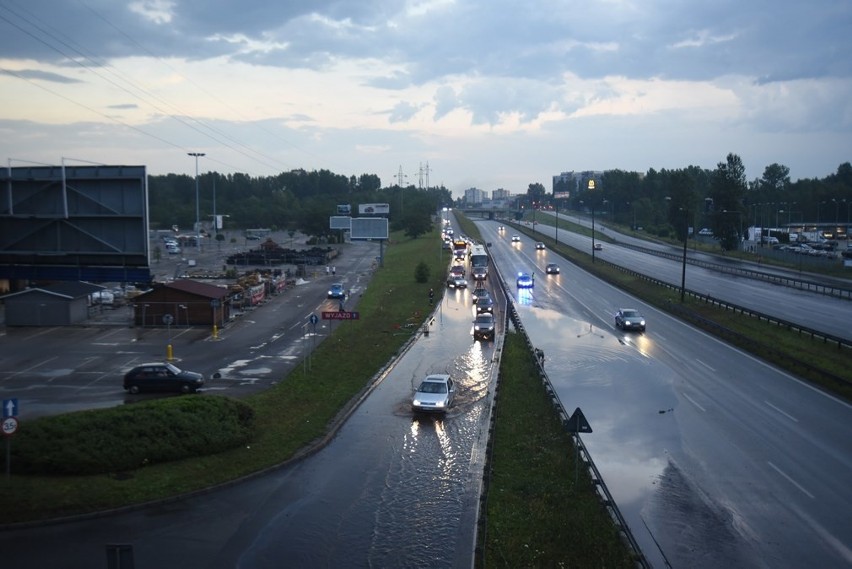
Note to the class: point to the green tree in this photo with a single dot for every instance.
(775, 178)
(421, 272)
(727, 190)
(417, 223)
(536, 193)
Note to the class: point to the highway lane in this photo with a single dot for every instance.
(826, 314)
(715, 458)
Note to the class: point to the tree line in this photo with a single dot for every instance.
(722, 200)
(296, 201)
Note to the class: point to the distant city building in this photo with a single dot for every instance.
(474, 196)
(573, 182)
(500, 195)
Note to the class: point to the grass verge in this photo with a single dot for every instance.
(539, 511)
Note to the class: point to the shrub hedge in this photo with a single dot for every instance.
(131, 436)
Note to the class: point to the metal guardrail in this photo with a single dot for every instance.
(511, 314)
(779, 279)
(841, 342)
(597, 479)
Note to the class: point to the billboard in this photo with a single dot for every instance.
(74, 223)
(561, 195)
(369, 228)
(344, 209)
(339, 222)
(374, 209)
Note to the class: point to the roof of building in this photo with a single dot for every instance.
(192, 287)
(64, 289)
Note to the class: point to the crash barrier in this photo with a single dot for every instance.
(804, 330)
(510, 314)
(706, 298)
(836, 290)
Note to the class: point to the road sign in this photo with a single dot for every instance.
(10, 408)
(10, 425)
(314, 319)
(578, 423)
(340, 315)
(168, 319)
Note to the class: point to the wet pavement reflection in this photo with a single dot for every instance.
(629, 399)
(394, 488)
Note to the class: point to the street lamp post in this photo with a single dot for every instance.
(685, 242)
(739, 227)
(556, 209)
(197, 203)
(591, 187)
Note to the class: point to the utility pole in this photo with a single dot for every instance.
(399, 178)
(197, 155)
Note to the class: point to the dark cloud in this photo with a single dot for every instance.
(40, 75)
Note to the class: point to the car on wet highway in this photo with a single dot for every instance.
(165, 376)
(483, 326)
(434, 394)
(552, 269)
(485, 304)
(598, 246)
(456, 282)
(479, 292)
(516, 238)
(525, 280)
(539, 246)
(629, 319)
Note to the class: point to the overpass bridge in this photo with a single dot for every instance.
(492, 212)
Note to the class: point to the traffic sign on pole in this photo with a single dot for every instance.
(10, 408)
(340, 315)
(578, 423)
(10, 426)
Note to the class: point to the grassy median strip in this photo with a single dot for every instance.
(536, 515)
(288, 418)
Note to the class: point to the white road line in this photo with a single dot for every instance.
(711, 368)
(782, 412)
(790, 480)
(691, 400)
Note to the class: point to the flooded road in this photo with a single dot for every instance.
(393, 489)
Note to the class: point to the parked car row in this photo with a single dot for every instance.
(806, 249)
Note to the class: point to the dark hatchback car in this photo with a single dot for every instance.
(485, 304)
(162, 377)
(629, 319)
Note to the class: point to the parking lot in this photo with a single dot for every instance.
(59, 369)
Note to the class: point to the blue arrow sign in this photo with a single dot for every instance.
(10, 408)
(314, 319)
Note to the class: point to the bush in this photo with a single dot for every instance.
(421, 272)
(127, 437)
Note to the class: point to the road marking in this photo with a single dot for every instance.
(790, 480)
(711, 368)
(691, 400)
(782, 412)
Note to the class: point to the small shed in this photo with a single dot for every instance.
(59, 304)
(186, 302)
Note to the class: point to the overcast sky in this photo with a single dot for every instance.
(489, 93)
